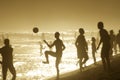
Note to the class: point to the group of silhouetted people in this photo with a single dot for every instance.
(107, 40)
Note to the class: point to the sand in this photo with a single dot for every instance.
(94, 72)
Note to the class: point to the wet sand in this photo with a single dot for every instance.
(94, 72)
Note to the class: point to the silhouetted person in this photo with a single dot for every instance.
(82, 48)
(41, 48)
(118, 39)
(7, 60)
(112, 40)
(58, 43)
(105, 40)
(94, 49)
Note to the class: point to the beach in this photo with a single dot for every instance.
(95, 72)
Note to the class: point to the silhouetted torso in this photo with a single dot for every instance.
(58, 44)
(105, 37)
(6, 53)
(82, 44)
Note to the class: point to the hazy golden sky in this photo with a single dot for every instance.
(58, 15)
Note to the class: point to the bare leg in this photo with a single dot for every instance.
(49, 53)
(80, 64)
(94, 58)
(57, 66)
(108, 64)
(104, 63)
(12, 70)
(57, 73)
(85, 59)
(4, 71)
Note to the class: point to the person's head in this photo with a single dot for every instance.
(93, 39)
(6, 41)
(111, 32)
(81, 31)
(100, 25)
(57, 34)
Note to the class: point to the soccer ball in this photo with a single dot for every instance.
(35, 30)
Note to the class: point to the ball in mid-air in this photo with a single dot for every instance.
(35, 30)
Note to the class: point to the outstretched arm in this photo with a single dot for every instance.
(50, 46)
(46, 43)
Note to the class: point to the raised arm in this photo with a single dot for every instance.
(50, 46)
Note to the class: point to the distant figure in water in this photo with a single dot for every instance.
(94, 49)
(58, 43)
(82, 48)
(41, 48)
(118, 39)
(112, 42)
(7, 60)
(105, 40)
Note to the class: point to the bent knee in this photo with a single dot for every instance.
(46, 52)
